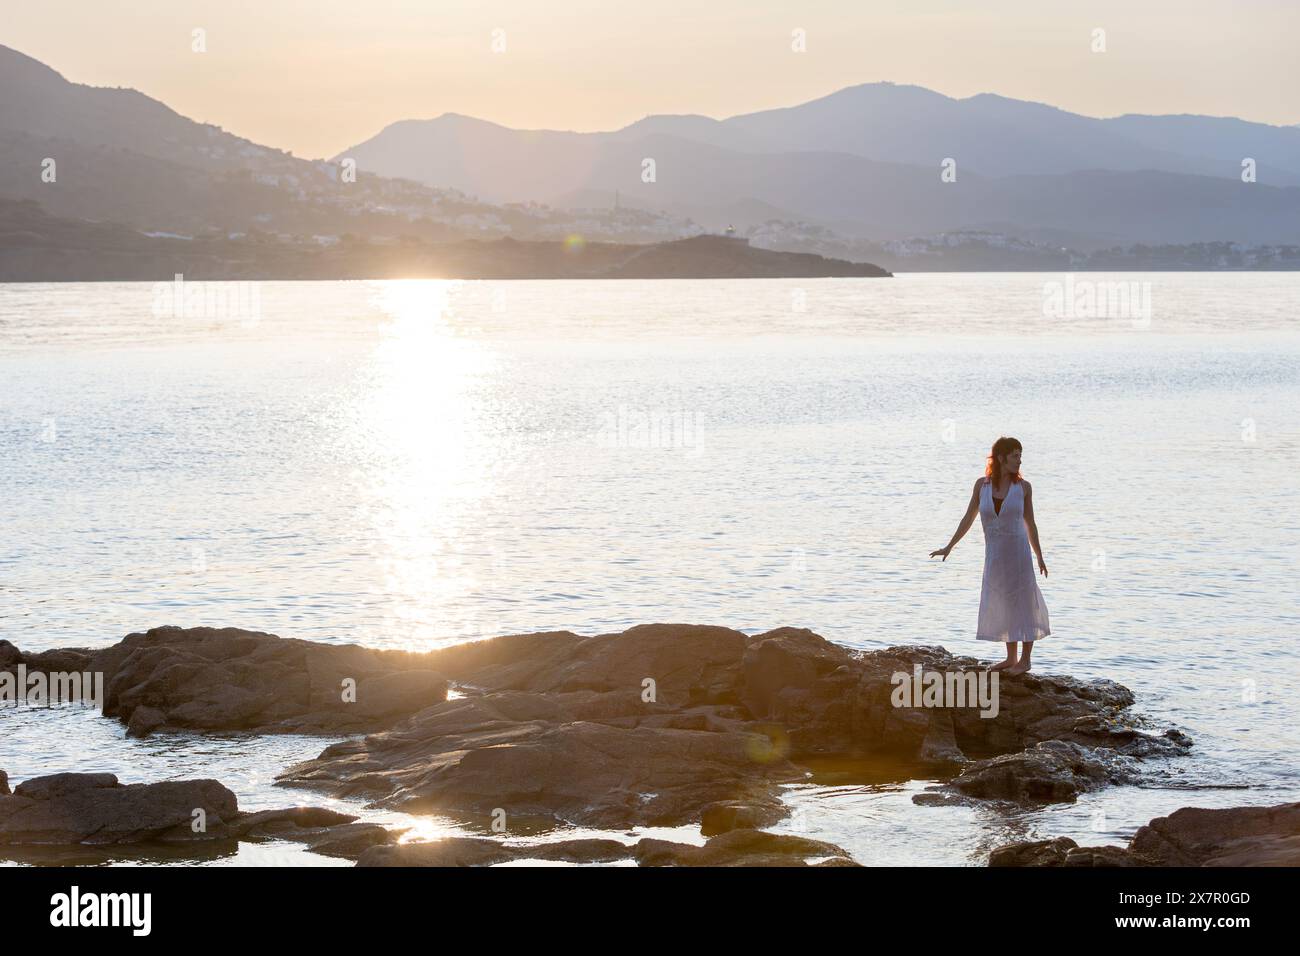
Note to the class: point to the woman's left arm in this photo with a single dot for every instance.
(1032, 527)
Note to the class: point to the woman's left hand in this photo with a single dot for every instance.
(1042, 567)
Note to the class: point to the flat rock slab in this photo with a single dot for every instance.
(227, 679)
(663, 724)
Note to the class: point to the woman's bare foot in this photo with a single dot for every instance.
(1006, 665)
(1019, 667)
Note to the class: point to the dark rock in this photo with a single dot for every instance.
(144, 721)
(939, 745)
(661, 724)
(1033, 853)
(96, 809)
(729, 815)
(67, 659)
(690, 664)
(577, 851)
(937, 798)
(1061, 851)
(835, 701)
(807, 685)
(1052, 771)
(728, 257)
(579, 771)
(59, 784)
(1232, 836)
(507, 663)
(273, 822)
(1100, 856)
(327, 832)
(558, 724)
(456, 851)
(740, 848)
(324, 831)
(229, 679)
(1192, 836)
(4, 784)
(349, 840)
(474, 851)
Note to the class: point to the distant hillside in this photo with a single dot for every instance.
(866, 162)
(41, 104)
(998, 136)
(124, 157)
(863, 162)
(37, 247)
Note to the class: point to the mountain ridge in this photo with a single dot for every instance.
(864, 161)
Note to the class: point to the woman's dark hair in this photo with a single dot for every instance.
(1003, 446)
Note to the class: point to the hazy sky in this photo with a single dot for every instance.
(317, 76)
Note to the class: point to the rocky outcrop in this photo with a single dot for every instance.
(1049, 772)
(95, 809)
(1192, 836)
(677, 724)
(1055, 770)
(1061, 851)
(657, 725)
(1236, 836)
(737, 848)
(835, 701)
(216, 679)
(528, 755)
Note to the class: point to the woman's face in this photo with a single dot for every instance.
(1011, 461)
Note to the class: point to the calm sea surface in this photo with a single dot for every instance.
(409, 464)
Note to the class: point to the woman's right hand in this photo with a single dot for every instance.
(943, 551)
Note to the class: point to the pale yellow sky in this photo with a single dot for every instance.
(317, 76)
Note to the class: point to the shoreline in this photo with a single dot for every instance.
(557, 725)
(49, 249)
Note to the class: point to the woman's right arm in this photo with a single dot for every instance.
(972, 509)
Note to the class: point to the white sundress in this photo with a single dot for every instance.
(1011, 605)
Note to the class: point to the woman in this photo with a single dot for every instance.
(1011, 605)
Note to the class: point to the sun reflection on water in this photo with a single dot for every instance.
(424, 474)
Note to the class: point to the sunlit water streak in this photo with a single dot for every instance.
(408, 464)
